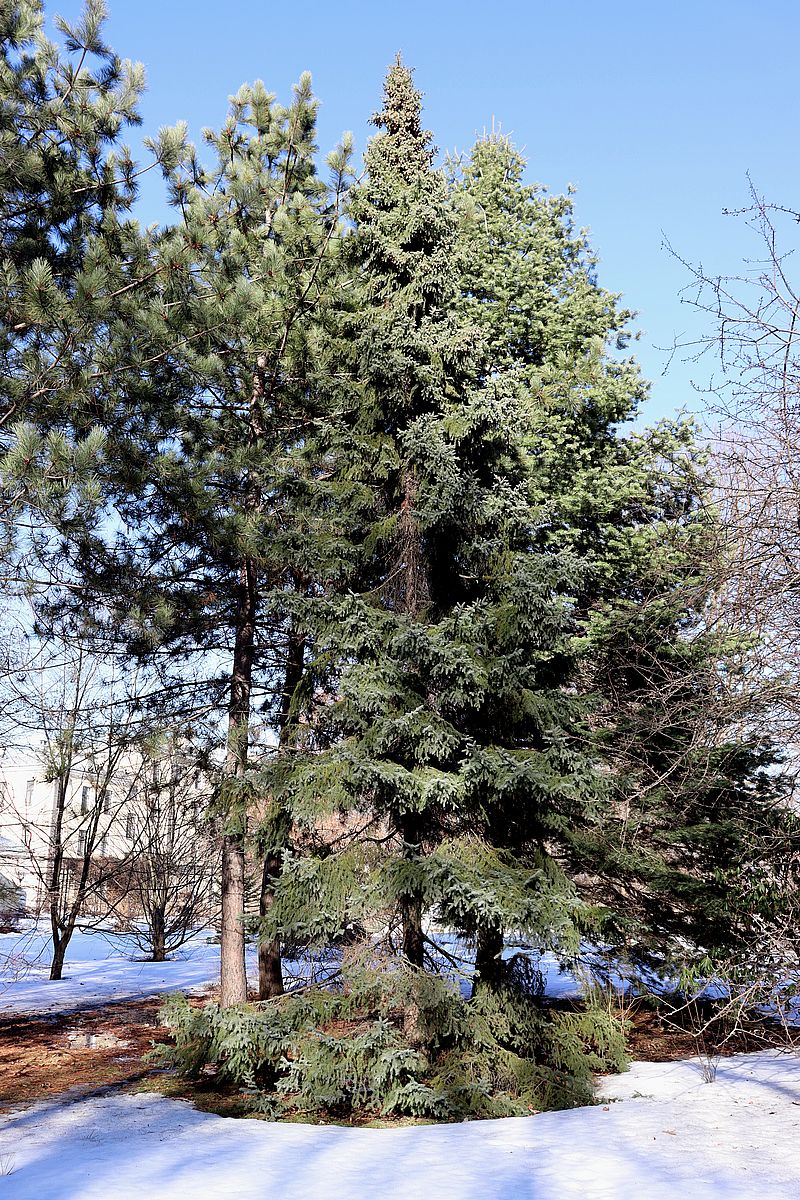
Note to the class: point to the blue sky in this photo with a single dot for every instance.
(655, 112)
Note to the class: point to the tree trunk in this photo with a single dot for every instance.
(409, 827)
(270, 974)
(413, 938)
(54, 876)
(270, 971)
(233, 975)
(488, 958)
(60, 943)
(416, 594)
(158, 935)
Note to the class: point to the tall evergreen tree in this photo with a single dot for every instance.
(529, 283)
(207, 434)
(69, 249)
(446, 738)
(636, 510)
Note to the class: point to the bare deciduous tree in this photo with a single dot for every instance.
(168, 885)
(81, 721)
(754, 403)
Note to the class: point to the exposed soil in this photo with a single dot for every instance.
(655, 1036)
(43, 1056)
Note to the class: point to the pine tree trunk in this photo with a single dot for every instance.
(270, 974)
(233, 973)
(233, 976)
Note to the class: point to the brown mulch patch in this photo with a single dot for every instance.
(658, 1037)
(43, 1056)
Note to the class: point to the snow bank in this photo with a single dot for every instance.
(735, 1138)
(665, 1129)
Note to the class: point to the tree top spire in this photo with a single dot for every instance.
(402, 102)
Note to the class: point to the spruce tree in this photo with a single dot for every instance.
(529, 282)
(446, 738)
(683, 781)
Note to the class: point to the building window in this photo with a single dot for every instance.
(84, 799)
(29, 790)
(82, 843)
(130, 827)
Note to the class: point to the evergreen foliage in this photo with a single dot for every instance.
(69, 248)
(636, 510)
(346, 467)
(450, 748)
(697, 796)
(347, 1052)
(449, 711)
(205, 437)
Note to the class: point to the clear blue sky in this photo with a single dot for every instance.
(655, 112)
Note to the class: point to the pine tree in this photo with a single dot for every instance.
(212, 392)
(68, 247)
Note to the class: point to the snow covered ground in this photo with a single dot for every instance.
(98, 969)
(101, 968)
(672, 1135)
(664, 1131)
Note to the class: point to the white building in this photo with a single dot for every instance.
(104, 817)
(29, 805)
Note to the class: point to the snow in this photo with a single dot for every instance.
(731, 1139)
(726, 1129)
(99, 969)
(102, 967)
